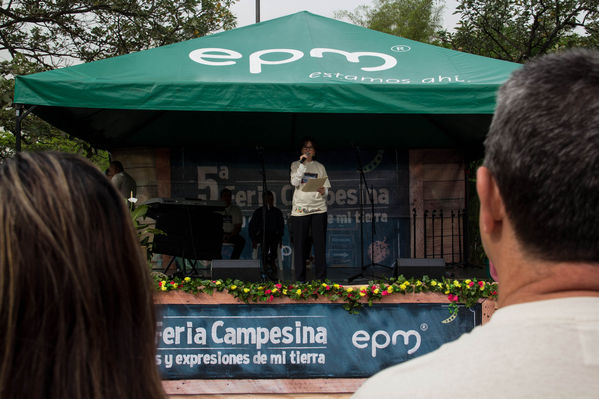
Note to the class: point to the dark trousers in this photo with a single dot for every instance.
(238, 243)
(271, 253)
(301, 226)
(272, 247)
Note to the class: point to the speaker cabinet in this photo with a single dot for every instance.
(418, 267)
(241, 269)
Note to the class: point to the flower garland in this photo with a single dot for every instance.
(467, 292)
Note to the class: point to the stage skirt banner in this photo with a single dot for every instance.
(300, 340)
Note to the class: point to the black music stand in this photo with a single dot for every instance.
(364, 184)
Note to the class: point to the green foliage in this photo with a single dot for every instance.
(467, 292)
(43, 35)
(145, 229)
(476, 252)
(517, 30)
(55, 33)
(413, 19)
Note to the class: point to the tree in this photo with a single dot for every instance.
(413, 19)
(517, 30)
(54, 32)
(39, 135)
(41, 35)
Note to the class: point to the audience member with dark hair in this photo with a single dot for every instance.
(76, 311)
(539, 224)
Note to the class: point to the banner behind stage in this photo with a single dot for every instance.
(300, 340)
(204, 173)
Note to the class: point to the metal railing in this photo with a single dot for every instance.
(438, 233)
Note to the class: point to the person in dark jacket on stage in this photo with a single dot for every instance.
(274, 227)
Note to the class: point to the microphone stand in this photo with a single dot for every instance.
(263, 275)
(364, 183)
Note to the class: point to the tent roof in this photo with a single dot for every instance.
(302, 64)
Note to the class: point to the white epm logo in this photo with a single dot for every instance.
(224, 57)
(361, 340)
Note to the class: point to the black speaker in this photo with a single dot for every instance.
(418, 267)
(241, 269)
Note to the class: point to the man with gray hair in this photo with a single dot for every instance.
(539, 224)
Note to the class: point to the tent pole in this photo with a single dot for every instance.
(19, 109)
(20, 115)
(257, 11)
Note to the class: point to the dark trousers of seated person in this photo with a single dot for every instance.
(301, 227)
(238, 243)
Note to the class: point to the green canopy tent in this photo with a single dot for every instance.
(270, 83)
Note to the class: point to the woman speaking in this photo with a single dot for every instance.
(309, 212)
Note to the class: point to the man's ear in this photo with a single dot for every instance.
(492, 210)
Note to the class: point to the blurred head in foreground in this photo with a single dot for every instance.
(76, 311)
(542, 154)
(539, 224)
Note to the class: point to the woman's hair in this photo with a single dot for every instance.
(76, 311)
(303, 143)
(304, 140)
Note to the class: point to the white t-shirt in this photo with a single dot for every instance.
(306, 203)
(231, 217)
(546, 349)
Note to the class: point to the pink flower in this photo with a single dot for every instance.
(374, 287)
(267, 291)
(271, 298)
(160, 284)
(279, 286)
(385, 293)
(453, 298)
(470, 284)
(172, 283)
(481, 283)
(328, 287)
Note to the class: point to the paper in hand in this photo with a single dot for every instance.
(313, 185)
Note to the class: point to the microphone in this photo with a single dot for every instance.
(303, 159)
